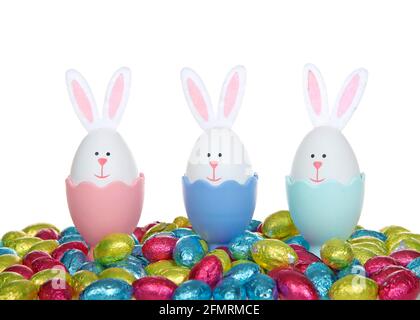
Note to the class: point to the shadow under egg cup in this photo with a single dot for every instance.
(99, 211)
(326, 210)
(220, 213)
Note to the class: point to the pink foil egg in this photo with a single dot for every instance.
(159, 248)
(153, 288)
(404, 257)
(99, 211)
(31, 256)
(43, 263)
(61, 249)
(376, 264)
(400, 285)
(305, 258)
(293, 285)
(208, 270)
(52, 291)
(47, 234)
(380, 276)
(23, 270)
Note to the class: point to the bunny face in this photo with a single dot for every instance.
(103, 156)
(218, 154)
(324, 153)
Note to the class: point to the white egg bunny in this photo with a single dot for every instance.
(324, 153)
(218, 154)
(102, 156)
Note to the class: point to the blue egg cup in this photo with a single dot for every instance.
(326, 210)
(220, 213)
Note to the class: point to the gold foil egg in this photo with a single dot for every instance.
(182, 222)
(160, 227)
(22, 245)
(389, 230)
(272, 253)
(6, 277)
(363, 254)
(58, 275)
(279, 225)
(223, 257)
(354, 287)
(81, 279)
(11, 235)
(19, 290)
(113, 248)
(7, 260)
(336, 253)
(117, 273)
(378, 250)
(176, 274)
(47, 246)
(33, 229)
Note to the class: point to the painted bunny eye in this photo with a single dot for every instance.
(324, 155)
(220, 155)
(96, 153)
(108, 154)
(312, 155)
(209, 155)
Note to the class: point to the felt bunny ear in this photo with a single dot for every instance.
(231, 96)
(117, 96)
(197, 98)
(82, 99)
(315, 95)
(349, 98)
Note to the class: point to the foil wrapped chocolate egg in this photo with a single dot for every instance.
(61, 249)
(60, 276)
(261, 287)
(131, 264)
(404, 257)
(71, 238)
(208, 270)
(354, 268)
(182, 232)
(373, 247)
(8, 237)
(403, 240)
(8, 260)
(337, 253)
(223, 257)
(293, 285)
(33, 229)
(22, 245)
(193, 290)
(354, 287)
(44, 263)
(21, 269)
(31, 256)
(380, 276)
(68, 230)
(368, 233)
(229, 289)
(188, 251)
(107, 289)
(154, 288)
(279, 225)
(305, 258)
(322, 277)
(73, 259)
(18, 290)
(117, 273)
(49, 291)
(240, 246)
(159, 248)
(159, 227)
(243, 272)
(377, 263)
(253, 225)
(47, 246)
(299, 240)
(6, 277)
(182, 222)
(92, 266)
(6, 250)
(47, 234)
(389, 230)
(81, 279)
(363, 254)
(400, 285)
(113, 248)
(272, 253)
(414, 266)
(176, 274)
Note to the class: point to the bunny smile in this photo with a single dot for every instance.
(317, 165)
(213, 165)
(102, 162)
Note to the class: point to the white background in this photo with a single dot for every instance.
(39, 133)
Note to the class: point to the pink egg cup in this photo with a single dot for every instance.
(99, 211)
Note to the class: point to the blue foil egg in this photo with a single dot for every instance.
(368, 233)
(253, 225)
(414, 266)
(68, 231)
(71, 238)
(312, 207)
(182, 232)
(73, 259)
(299, 240)
(354, 268)
(107, 289)
(322, 277)
(243, 272)
(240, 246)
(6, 250)
(132, 265)
(92, 266)
(137, 251)
(229, 289)
(219, 213)
(136, 241)
(192, 290)
(261, 287)
(188, 251)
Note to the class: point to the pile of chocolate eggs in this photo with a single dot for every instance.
(169, 261)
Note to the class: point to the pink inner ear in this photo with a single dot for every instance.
(197, 99)
(116, 96)
(231, 94)
(82, 100)
(314, 93)
(348, 96)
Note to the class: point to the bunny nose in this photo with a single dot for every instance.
(317, 164)
(214, 164)
(102, 161)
